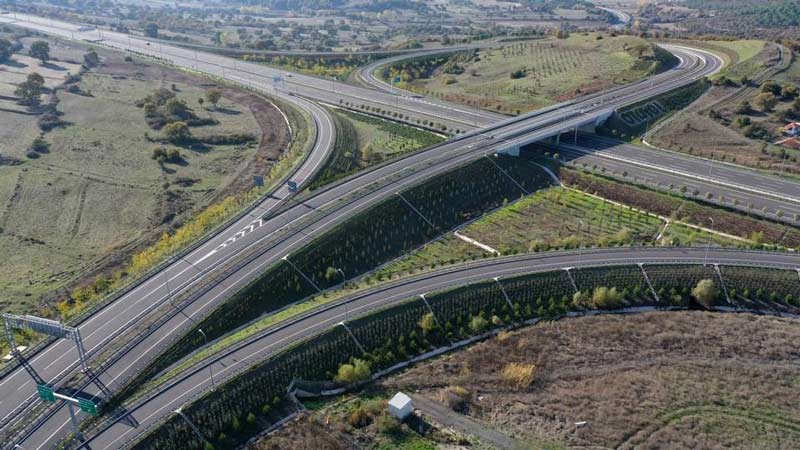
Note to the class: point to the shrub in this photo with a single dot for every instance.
(605, 298)
(352, 373)
(478, 324)
(705, 292)
(90, 59)
(766, 101)
(457, 398)
(39, 145)
(388, 424)
(427, 323)
(519, 375)
(177, 132)
(359, 418)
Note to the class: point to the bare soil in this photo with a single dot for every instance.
(648, 381)
(307, 432)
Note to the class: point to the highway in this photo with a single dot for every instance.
(259, 76)
(196, 380)
(768, 194)
(188, 271)
(266, 240)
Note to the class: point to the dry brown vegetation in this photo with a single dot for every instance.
(656, 380)
(305, 433)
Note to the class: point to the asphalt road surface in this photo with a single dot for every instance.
(196, 381)
(275, 237)
(55, 362)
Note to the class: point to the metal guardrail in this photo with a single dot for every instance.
(116, 295)
(697, 260)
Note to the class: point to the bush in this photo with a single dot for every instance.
(177, 132)
(457, 398)
(39, 145)
(352, 373)
(519, 375)
(359, 418)
(478, 324)
(705, 292)
(91, 59)
(388, 424)
(427, 323)
(517, 74)
(605, 298)
(163, 155)
(766, 101)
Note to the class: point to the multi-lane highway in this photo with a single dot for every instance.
(741, 187)
(280, 235)
(189, 385)
(259, 76)
(267, 239)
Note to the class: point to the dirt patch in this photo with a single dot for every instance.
(307, 432)
(644, 379)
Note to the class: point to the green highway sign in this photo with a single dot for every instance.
(87, 406)
(46, 392)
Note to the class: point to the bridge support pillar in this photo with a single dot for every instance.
(512, 151)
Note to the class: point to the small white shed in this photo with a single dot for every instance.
(400, 406)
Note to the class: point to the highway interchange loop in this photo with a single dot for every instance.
(275, 228)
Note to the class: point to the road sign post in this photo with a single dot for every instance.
(88, 406)
(45, 326)
(46, 393)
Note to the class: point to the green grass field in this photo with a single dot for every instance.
(551, 219)
(363, 140)
(98, 171)
(554, 70)
(747, 52)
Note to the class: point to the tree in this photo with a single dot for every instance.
(6, 50)
(427, 323)
(766, 101)
(150, 109)
(789, 91)
(744, 108)
(705, 293)
(771, 87)
(352, 373)
(213, 96)
(605, 298)
(90, 59)
(478, 324)
(40, 50)
(30, 90)
(151, 30)
(177, 108)
(39, 145)
(177, 132)
(742, 122)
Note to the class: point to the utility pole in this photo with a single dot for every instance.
(346, 304)
(194, 428)
(210, 370)
(708, 244)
